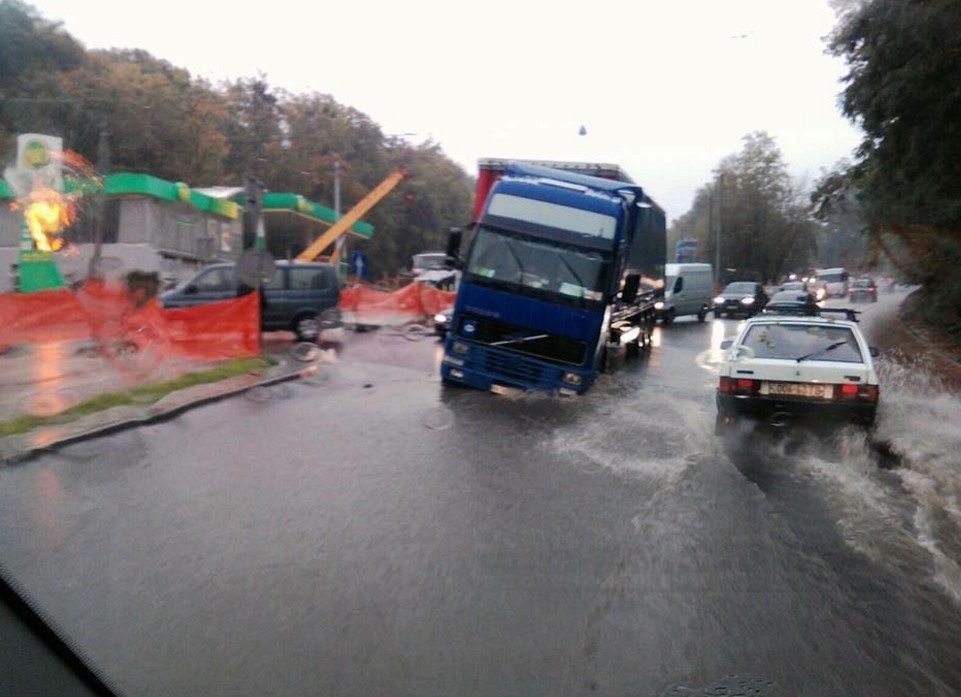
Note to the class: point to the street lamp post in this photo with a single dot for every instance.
(717, 243)
(342, 242)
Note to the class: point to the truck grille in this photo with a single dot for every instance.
(511, 366)
(554, 348)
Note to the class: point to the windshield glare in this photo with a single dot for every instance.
(537, 264)
(554, 215)
(791, 341)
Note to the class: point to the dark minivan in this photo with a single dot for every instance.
(300, 297)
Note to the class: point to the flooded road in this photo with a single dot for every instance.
(367, 531)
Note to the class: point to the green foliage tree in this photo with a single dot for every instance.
(901, 88)
(34, 52)
(756, 211)
(904, 59)
(253, 130)
(842, 239)
(153, 117)
(156, 118)
(435, 197)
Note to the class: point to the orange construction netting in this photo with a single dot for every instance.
(110, 315)
(413, 302)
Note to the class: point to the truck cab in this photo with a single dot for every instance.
(542, 282)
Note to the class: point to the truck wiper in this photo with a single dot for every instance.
(577, 276)
(519, 339)
(520, 264)
(829, 347)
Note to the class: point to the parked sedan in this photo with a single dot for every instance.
(742, 298)
(863, 289)
(782, 369)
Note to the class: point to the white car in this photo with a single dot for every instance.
(785, 368)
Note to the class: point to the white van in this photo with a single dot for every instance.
(688, 290)
(835, 281)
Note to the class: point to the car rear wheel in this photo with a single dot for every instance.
(668, 317)
(702, 314)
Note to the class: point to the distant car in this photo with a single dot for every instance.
(742, 298)
(781, 369)
(834, 280)
(442, 322)
(687, 291)
(792, 302)
(794, 285)
(431, 268)
(865, 288)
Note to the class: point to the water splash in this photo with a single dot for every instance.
(903, 513)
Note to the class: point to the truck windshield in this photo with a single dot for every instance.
(539, 264)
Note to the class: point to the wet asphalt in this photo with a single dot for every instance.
(368, 531)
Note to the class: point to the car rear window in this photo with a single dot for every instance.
(812, 342)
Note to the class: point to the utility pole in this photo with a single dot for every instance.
(342, 242)
(720, 226)
(710, 224)
(103, 169)
(254, 233)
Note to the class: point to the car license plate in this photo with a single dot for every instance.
(798, 389)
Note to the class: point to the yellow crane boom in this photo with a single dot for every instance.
(343, 225)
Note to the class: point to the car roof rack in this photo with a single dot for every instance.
(849, 312)
(791, 310)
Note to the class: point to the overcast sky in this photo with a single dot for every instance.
(665, 89)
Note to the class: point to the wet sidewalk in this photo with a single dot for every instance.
(45, 379)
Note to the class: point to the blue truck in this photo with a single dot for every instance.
(563, 267)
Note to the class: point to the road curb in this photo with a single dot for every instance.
(21, 447)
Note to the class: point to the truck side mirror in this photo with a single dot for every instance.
(631, 285)
(452, 259)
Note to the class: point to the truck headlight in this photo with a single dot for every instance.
(572, 378)
(460, 347)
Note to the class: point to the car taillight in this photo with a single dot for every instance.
(739, 385)
(867, 393)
